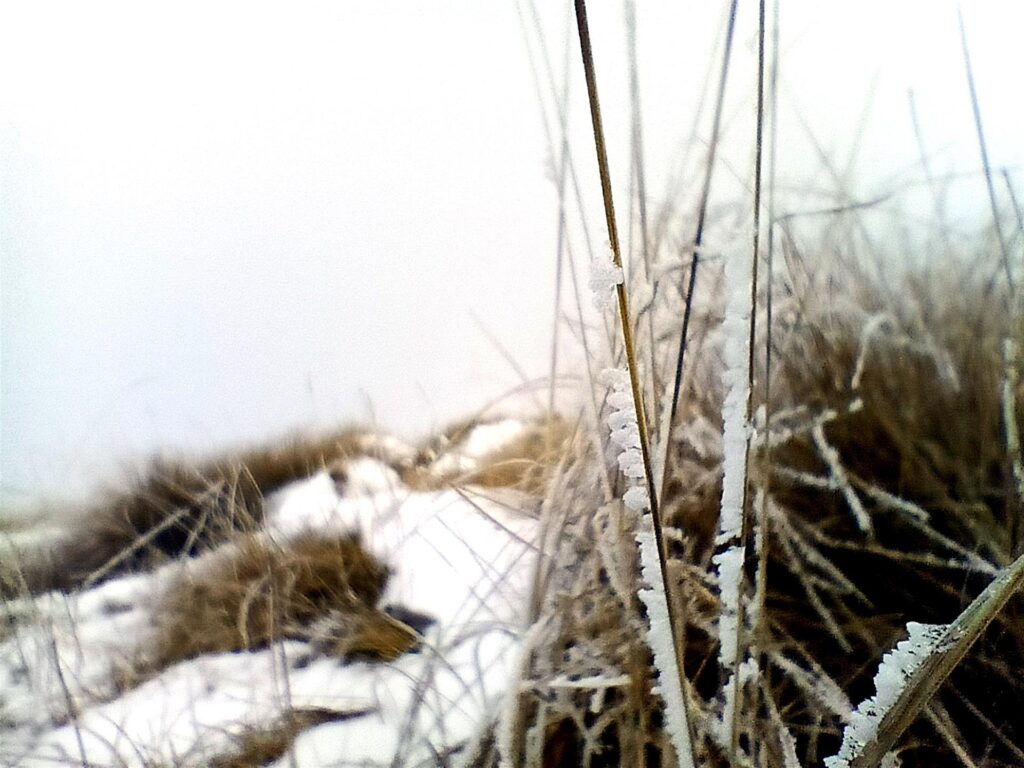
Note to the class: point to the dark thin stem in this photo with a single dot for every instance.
(699, 235)
(983, 147)
(742, 642)
(761, 587)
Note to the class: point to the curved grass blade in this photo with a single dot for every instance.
(877, 724)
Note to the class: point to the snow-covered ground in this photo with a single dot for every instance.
(462, 558)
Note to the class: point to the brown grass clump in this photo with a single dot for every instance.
(263, 745)
(178, 508)
(261, 591)
(524, 463)
(905, 418)
(890, 498)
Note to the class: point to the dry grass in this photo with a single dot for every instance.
(262, 746)
(180, 508)
(177, 508)
(887, 407)
(904, 422)
(525, 463)
(260, 591)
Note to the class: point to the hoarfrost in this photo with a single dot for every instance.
(730, 564)
(662, 645)
(604, 276)
(735, 436)
(624, 432)
(637, 498)
(748, 671)
(736, 379)
(896, 669)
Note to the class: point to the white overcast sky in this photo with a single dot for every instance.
(222, 220)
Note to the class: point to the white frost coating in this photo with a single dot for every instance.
(893, 674)
(871, 327)
(593, 683)
(631, 462)
(736, 380)
(735, 436)
(604, 276)
(730, 566)
(835, 465)
(790, 759)
(662, 645)
(637, 498)
(748, 671)
(624, 432)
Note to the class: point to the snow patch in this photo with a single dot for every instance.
(466, 562)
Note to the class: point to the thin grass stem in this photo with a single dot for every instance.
(698, 238)
(631, 362)
(639, 175)
(745, 529)
(983, 148)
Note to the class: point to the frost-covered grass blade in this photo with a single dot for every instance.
(910, 675)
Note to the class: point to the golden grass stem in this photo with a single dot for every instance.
(957, 639)
(630, 351)
(621, 291)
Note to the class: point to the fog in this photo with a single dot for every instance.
(222, 222)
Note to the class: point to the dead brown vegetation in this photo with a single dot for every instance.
(177, 508)
(180, 508)
(889, 400)
(260, 591)
(259, 746)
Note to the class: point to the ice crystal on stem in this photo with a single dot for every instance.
(605, 274)
(625, 435)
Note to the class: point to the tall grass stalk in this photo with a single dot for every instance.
(671, 410)
(682, 740)
(741, 643)
(761, 578)
(1004, 250)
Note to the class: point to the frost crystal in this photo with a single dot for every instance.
(659, 638)
(895, 671)
(637, 498)
(625, 435)
(735, 434)
(748, 671)
(730, 564)
(736, 378)
(604, 276)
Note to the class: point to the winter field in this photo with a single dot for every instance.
(751, 494)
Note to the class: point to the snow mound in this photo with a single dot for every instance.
(461, 559)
